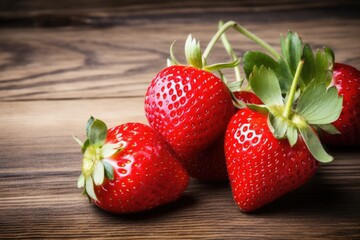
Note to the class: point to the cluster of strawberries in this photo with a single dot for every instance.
(266, 140)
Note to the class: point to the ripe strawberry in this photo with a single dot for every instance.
(129, 168)
(272, 149)
(262, 168)
(190, 107)
(347, 80)
(214, 154)
(209, 164)
(247, 97)
(318, 66)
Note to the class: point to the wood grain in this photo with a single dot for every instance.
(62, 61)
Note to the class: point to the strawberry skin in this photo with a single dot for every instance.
(247, 97)
(214, 154)
(262, 168)
(347, 80)
(209, 165)
(190, 108)
(146, 173)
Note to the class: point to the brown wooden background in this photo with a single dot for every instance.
(61, 61)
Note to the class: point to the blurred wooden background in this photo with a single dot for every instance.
(61, 61)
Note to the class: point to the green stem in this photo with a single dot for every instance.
(258, 40)
(245, 32)
(292, 91)
(232, 54)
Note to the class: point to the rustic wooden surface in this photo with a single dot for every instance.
(59, 63)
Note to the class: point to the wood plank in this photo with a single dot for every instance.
(40, 163)
(61, 61)
(66, 7)
(37, 64)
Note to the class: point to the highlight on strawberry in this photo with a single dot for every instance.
(129, 168)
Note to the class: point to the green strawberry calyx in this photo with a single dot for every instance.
(316, 67)
(195, 58)
(300, 112)
(95, 166)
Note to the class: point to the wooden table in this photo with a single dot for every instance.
(61, 62)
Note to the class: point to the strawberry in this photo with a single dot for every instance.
(209, 164)
(321, 67)
(272, 149)
(190, 107)
(214, 154)
(129, 168)
(261, 167)
(347, 80)
(247, 97)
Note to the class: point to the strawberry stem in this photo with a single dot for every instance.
(245, 32)
(292, 91)
(232, 54)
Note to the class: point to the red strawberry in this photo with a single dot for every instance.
(214, 154)
(190, 107)
(129, 168)
(262, 168)
(273, 149)
(247, 97)
(209, 165)
(347, 80)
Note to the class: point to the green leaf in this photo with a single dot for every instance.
(234, 86)
(265, 85)
(317, 68)
(85, 146)
(219, 66)
(331, 56)
(258, 108)
(280, 67)
(97, 132)
(319, 105)
(109, 170)
(292, 135)
(322, 68)
(173, 60)
(296, 96)
(278, 125)
(329, 128)
(88, 124)
(284, 75)
(81, 181)
(89, 185)
(314, 145)
(193, 52)
(110, 149)
(308, 71)
(254, 58)
(291, 48)
(99, 173)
